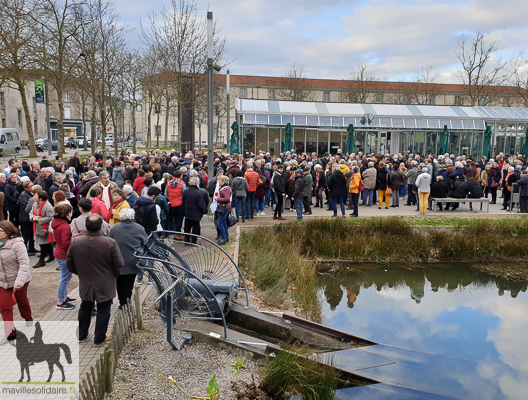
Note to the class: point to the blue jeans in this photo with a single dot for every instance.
(368, 195)
(65, 276)
(299, 208)
(221, 222)
(403, 190)
(238, 201)
(259, 205)
(267, 196)
(335, 201)
(250, 204)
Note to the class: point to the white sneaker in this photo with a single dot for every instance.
(262, 213)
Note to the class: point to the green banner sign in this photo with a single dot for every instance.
(39, 91)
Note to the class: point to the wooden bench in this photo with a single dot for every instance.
(433, 201)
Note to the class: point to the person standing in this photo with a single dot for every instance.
(118, 204)
(354, 190)
(336, 184)
(194, 206)
(279, 189)
(423, 186)
(224, 200)
(382, 184)
(174, 193)
(298, 193)
(129, 236)
(41, 215)
(239, 187)
(63, 235)
(26, 226)
(253, 181)
(308, 186)
(14, 279)
(97, 261)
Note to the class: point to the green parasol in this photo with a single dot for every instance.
(524, 151)
(444, 144)
(350, 145)
(288, 145)
(486, 150)
(234, 146)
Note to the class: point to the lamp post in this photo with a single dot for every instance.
(47, 114)
(228, 134)
(210, 94)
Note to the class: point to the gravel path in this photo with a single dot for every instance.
(147, 361)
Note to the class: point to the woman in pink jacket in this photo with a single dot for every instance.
(14, 278)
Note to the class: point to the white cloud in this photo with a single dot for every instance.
(266, 37)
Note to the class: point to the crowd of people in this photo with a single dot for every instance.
(91, 214)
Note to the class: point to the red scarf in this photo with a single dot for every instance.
(44, 226)
(112, 208)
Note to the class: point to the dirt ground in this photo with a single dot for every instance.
(42, 292)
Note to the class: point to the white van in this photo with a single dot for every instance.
(9, 141)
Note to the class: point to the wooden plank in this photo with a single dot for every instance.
(110, 362)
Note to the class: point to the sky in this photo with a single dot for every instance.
(330, 38)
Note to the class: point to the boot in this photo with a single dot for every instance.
(50, 259)
(41, 263)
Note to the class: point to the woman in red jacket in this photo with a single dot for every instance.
(139, 182)
(63, 236)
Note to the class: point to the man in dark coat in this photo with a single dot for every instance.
(97, 261)
(336, 184)
(298, 193)
(90, 180)
(129, 236)
(459, 190)
(279, 189)
(439, 190)
(145, 209)
(194, 208)
(75, 162)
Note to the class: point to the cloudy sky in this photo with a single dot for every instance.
(330, 38)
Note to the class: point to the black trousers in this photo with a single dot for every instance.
(101, 320)
(411, 199)
(523, 201)
(355, 198)
(306, 204)
(125, 286)
(177, 214)
(278, 207)
(13, 218)
(46, 250)
(27, 234)
(191, 227)
(493, 194)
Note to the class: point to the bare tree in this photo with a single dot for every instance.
(480, 70)
(519, 78)
(294, 86)
(424, 87)
(59, 22)
(402, 93)
(361, 84)
(17, 53)
(133, 89)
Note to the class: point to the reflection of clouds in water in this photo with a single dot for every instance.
(389, 315)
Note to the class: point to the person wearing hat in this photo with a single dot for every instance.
(278, 186)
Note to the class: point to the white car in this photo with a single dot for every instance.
(109, 141)
(80, 141)
(202, 146)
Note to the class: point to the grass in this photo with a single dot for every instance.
(282, 274)
(291, 373)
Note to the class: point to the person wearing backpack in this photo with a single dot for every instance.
(174, 193)
(145, 209)
(11, 199)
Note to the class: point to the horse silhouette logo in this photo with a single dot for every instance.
(30, 352)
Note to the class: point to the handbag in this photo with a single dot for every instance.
(494, 184)
(231, 220)
(220, 208)
(388, 190)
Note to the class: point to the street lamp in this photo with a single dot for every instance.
(228, 134)
(47, 113)
(210, 94)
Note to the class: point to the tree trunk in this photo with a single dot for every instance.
(134, 129)
(157, 132)
(149, 122)
(167, 109)
(83, 99)
(115, 134)
(60, 122)
(94, 134)
(29, 125)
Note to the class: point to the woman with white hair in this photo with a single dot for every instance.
(423, 186)
(129, 236)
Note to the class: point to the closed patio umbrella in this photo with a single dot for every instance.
(234, 146)
(288, 138)
(524, 151)
(486, 150)
(350, 146)
(444, 144)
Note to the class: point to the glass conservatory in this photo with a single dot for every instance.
(380, 128)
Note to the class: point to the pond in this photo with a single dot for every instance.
(442, 332)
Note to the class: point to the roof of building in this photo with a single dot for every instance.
(271, 112)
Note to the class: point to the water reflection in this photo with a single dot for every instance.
(467, 330)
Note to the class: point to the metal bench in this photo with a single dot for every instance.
(193, 280)
(433, 201)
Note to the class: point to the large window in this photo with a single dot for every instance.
(465, 143)
(322, 142)
(335, 142)
(431, 140)
(274, 141)
(419, 142)
(372, 143)
(262, 139)
(326, 97)
(271, 94)
(249, 139)
(476, 145)
(454, 143)
(243, 93)
(298, 140)
(360, 141)
(19, 114)
(311, 141)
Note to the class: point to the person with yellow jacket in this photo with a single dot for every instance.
(119, 203)
(354, 190)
